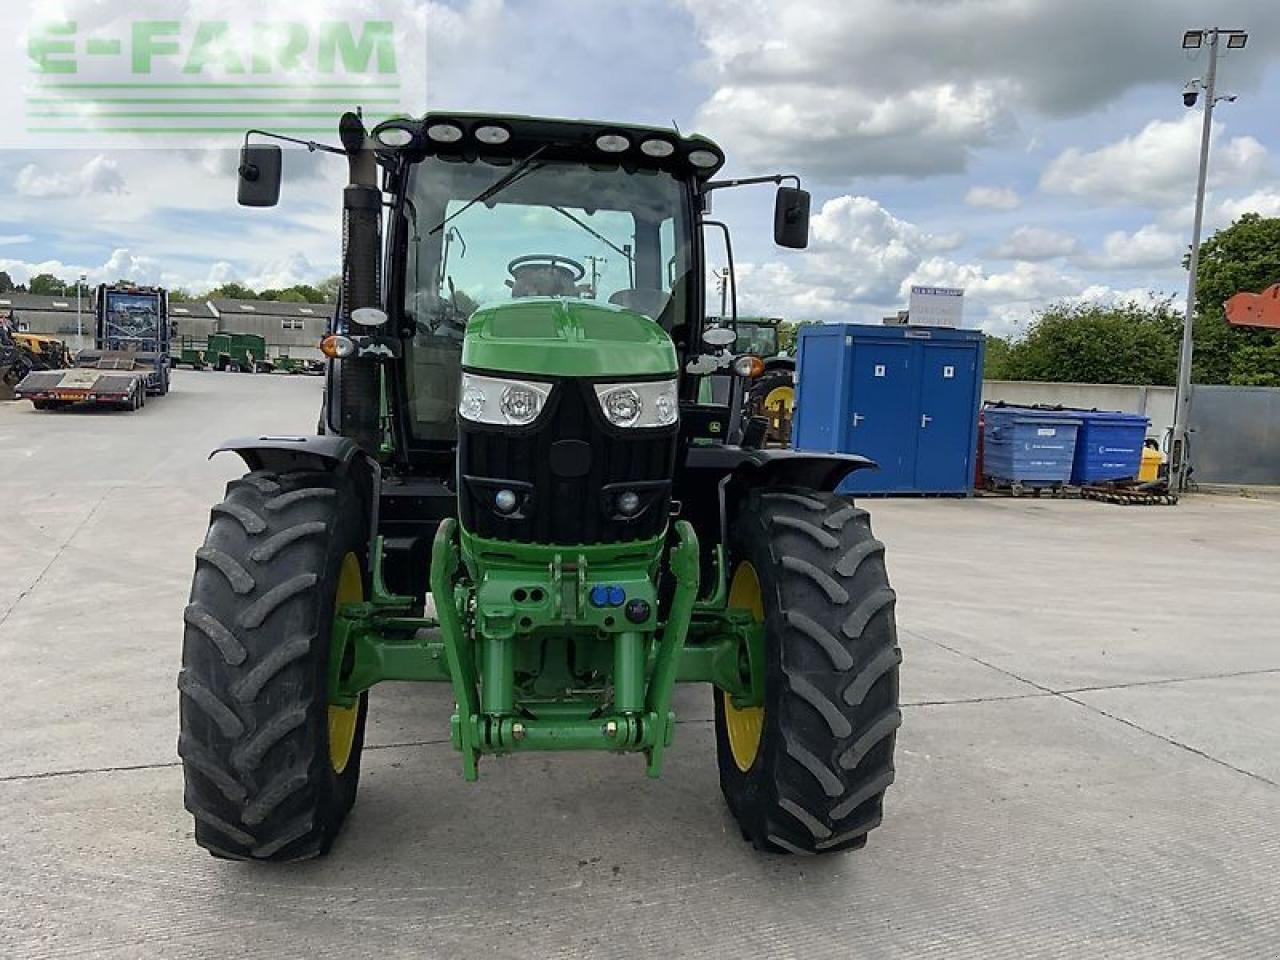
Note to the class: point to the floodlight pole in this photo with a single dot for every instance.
(1178, 459)
(79, 326)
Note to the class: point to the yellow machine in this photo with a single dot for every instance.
(43, 351)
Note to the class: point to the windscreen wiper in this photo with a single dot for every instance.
(595, 233)
(488, 193)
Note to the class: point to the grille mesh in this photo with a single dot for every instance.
(566, 510)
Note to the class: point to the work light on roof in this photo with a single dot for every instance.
(444, 132)
(703, 159)
(394, 137)
(613, 143)
(1192, 39)
(1237, 40)
(657, 148)
(492, 134)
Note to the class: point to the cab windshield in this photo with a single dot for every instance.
(598, 233)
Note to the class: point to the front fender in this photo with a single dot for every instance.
(774, 466)
(797, 468)
(284, 453)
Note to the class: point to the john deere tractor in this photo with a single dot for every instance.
(772, 395)
(521, 491)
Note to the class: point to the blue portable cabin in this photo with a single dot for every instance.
(1028, 447)
(907, 397)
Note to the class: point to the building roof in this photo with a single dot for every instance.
(191, 310)
(30, 301)
(23, 303)
(195, 309)
(270, 308)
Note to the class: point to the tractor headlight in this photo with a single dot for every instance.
(496, 400)
(649, 404)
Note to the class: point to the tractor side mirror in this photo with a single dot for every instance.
(259, 183)
(791, 218)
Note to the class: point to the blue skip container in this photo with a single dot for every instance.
(1024, 447)
(1108, 446)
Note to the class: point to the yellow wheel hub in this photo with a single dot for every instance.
(342, 720)
(745, 724)
(780, 400)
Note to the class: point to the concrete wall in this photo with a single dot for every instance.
(1154, 402)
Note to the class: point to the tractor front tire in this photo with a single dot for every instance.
(271, 766)
(806, 772)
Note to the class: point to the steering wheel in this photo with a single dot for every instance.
(547, 260)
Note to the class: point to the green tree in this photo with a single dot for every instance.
(329, 288)
(996, 364)
(298, 293)
(46, 284)
(231, 291)
(1242, 257)
(788, 332)
(1088, 343)
(180, 295)
(6, 282)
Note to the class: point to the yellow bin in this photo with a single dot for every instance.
(1150, 469)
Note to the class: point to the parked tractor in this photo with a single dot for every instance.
(527, 502)
(43, 351)
(15, 364)
(772, 395)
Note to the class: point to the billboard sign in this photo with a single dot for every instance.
(935, 306)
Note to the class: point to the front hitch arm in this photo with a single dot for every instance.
(686, 569)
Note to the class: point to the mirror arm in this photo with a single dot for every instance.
(775, 178)
(311, 145)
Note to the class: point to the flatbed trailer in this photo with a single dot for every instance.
(112, 382)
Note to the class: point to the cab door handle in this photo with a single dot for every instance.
(858, 418)
(924, 420)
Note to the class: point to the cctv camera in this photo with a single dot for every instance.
(1191, 93)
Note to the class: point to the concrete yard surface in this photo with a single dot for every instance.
(1088, 765)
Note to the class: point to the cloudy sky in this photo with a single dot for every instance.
(1026, 150)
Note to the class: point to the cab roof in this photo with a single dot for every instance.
(449, 133)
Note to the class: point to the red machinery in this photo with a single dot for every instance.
(1259, 310)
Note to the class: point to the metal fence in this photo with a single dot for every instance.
(1235, 434)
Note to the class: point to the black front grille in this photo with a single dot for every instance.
(565, 498)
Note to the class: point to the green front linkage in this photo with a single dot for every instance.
(515, 634)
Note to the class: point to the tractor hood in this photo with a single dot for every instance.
(559, 337)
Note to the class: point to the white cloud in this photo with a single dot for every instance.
(1036, 243)
(871, 249)
(1265, 202)
(100, 175)
(286, 272)
(885, 87)
(863, 261)
(1155, 167)
(1148, 246)
(993, 198)
(120, 265)
(917, 133)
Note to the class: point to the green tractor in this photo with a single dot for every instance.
(526, 500)
(772, 395)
